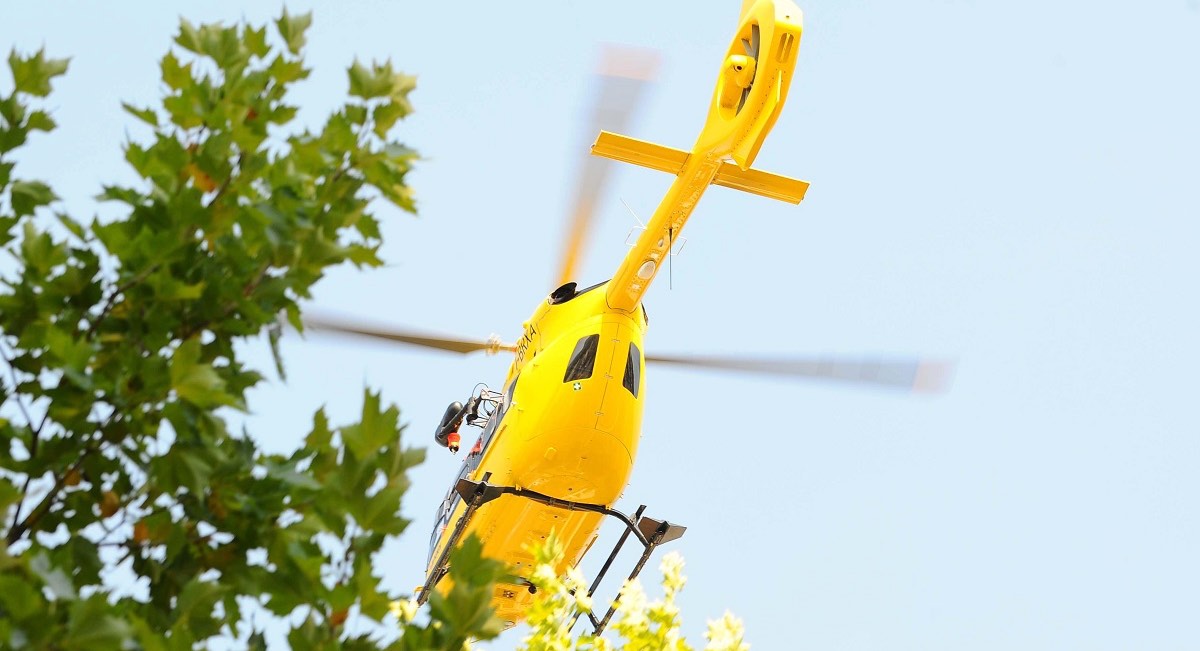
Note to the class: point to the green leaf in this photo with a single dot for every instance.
(467, 608)
(149, 638)
(6, 225)
(290, 476)
(188, 38)
(293, 317)
(8, 493)
(195, 381)
(40, 252)
(292, 30)
(71, 225)
(169, 288)
(365, 256)
(274, 334)
(318, 439)
(32, 74)
(386, 116)
(400, 153)
(382, 514)
(145, 115)
(40, 121)
(356, 113)
(195, 604)
(82, 556)
(12, 109)
(93, 626)
(185, 465)
(174, 74)
(377, 428)
(28, 196)
(368, 227)
(74, 353)
(368, 83)
(222, 45)
(18, 597)
(472, 567)
(338, 134)
(402, 85)
(255, 41)
(286, 71)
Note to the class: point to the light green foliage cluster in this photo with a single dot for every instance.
(639, 623)
(118, 341)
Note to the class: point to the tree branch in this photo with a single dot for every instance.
(109, 303)
(34, 433)
(228, 311)
(18, 529)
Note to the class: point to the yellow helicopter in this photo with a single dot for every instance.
(558, 442)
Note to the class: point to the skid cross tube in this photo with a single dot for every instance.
(649, 532)
(660, 533)
(637, 515)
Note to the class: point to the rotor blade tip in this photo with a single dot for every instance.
(933, 377)
(629, 61)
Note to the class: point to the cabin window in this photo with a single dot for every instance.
(633, 370)
(583, 359)
(508, 396)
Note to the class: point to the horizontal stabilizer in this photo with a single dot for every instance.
(671, 160)
(639, 152)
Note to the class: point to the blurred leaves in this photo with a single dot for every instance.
(461, 614)
(31, 75)
(640, 624)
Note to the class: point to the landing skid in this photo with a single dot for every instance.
(649, 532)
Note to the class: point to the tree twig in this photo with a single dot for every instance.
(109, 303)
(34, 433)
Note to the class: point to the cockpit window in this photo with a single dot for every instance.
(508, 395)
(633, 370)
(583, 359)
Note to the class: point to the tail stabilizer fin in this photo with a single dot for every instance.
(671, 160)
(639, 152)
(766, 184)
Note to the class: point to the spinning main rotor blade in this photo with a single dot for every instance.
(427, 340)
(916, 375)
(923, 376)
(623, 75)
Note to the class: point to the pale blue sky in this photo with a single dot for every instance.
(1011, 184)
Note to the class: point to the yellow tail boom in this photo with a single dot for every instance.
(750, 92)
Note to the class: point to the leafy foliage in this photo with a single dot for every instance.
(132, 516)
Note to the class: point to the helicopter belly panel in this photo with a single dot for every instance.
(517, 525)
(580, 465)
(509, 527)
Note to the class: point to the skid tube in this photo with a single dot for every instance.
(649, 532)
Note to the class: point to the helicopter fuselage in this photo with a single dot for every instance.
(568, 427)
(559, 440)
(570, 418)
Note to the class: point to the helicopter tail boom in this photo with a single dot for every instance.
(750, 92)
(672, 161)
